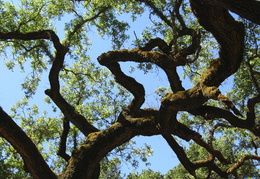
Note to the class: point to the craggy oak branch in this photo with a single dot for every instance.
(133, 121)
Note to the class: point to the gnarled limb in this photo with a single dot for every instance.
(230, 35)
(167, 63)
(86, 158)
(130, 84)
(54, 92)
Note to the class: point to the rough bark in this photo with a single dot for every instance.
(84, 163)
(85, 159)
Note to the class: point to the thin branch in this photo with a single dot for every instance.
(191, 167)
(210, 113)
(254, 145)
(47, 52)
(76, 73)
(62, 144)
(177, 13)
(31, 19)
(253, 76)
(157, 11)
(196, 137)
(81, 24)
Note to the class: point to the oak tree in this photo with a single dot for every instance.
(101, 109)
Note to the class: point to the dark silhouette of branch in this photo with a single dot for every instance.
(180, 154)
(248, 9)
(211, 113)
(62, 144)
(25, 146)
(44, 34)
(54, 92)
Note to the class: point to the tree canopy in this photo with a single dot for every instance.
(95, 108)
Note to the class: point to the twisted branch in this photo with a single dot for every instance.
(54, 92)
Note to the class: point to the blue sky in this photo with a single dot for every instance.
(163, 159)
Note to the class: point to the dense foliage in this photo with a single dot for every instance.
(92, 109)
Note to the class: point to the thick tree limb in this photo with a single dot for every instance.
(45, 34)
(157, 42)
(167, 63)
(230, 35)
(26, 148)
(86, 158)
(248, 9)
(111, 59)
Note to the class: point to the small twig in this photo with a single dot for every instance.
(137, 40)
